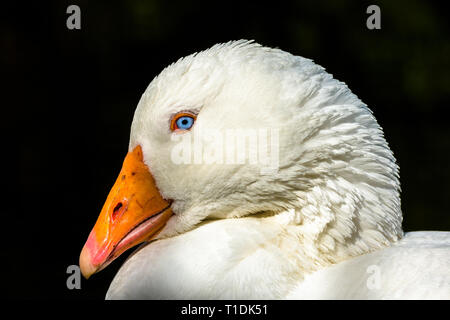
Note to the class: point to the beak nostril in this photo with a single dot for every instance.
(117, 210)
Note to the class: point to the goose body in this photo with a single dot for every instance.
(318, 219)
(189, 267)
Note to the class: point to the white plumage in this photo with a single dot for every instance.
(327, 224)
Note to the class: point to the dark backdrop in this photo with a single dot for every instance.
(68, 98)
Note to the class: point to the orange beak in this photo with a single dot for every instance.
(134, 212)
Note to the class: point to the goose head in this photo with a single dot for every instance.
(244, 131)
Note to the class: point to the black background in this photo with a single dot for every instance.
(68, 98)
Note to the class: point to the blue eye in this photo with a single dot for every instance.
(184, 122)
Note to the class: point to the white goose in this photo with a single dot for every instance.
(324, 223)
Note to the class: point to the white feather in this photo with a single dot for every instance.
(309, 230)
